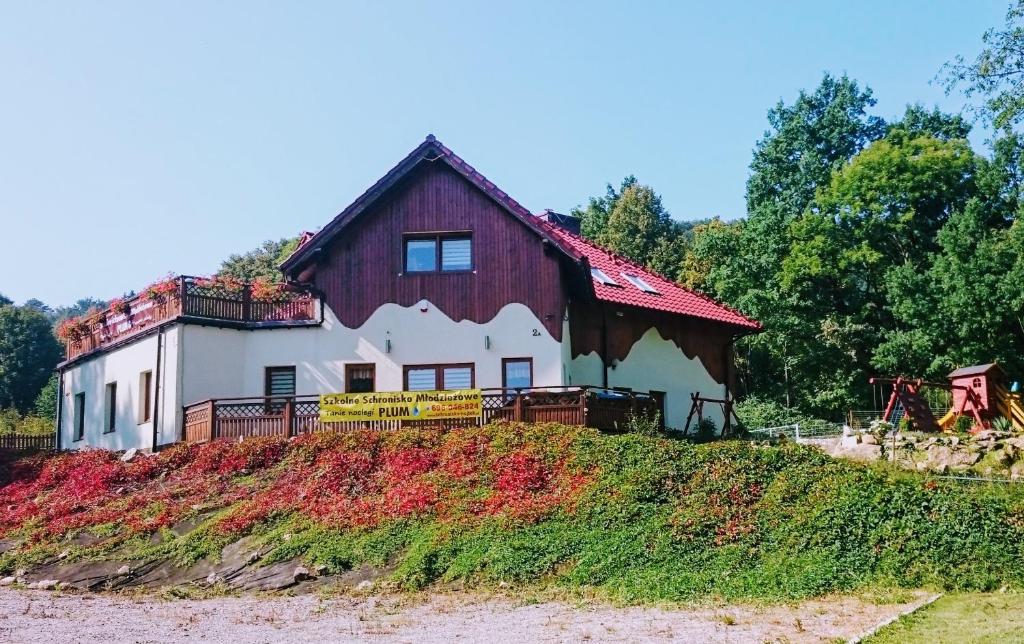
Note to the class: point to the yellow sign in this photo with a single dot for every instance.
(401, 405)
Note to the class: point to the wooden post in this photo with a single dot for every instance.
(583, 407)
(247, 302)
(288, 418)
(517, 407)
(693, 409)
(182, 291)
(212, 415)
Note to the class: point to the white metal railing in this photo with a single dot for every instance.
(799, 432)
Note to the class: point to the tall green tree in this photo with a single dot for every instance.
(919, 121)
(806, 142)
(594, 217)
(633, 222)
(28, 353)
(996, 74)
(260, 262)
(880, 213)
(78, 309)
(45, 405)
(966, 307)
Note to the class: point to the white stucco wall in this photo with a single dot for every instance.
(201, 362)
(123, 366)
(656, 364)
(221, 363)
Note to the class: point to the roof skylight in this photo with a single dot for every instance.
(639, 282)
(602, 277)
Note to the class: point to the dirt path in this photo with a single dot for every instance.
(39, 616)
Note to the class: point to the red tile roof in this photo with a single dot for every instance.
(670, 298)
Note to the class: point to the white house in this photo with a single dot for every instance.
(431, 279)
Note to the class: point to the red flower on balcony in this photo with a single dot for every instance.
(264, 290)
(219, 285)
(120, 306)
(160, 291)
(69, 330)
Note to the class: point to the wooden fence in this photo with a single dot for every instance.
(235, 418)
(26, 442)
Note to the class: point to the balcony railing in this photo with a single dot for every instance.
(191, 299)
(235, 418)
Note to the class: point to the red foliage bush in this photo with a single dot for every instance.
(345, 479)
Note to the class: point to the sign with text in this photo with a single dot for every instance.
(401, 405)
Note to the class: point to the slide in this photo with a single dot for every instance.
(1009, 405)
(946, 422)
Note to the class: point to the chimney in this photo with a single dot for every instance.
(565, 222)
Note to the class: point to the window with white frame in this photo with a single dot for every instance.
(431, 377)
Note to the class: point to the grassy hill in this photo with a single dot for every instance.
(634, 517)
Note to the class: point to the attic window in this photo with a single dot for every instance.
(638, 282)
(602, 277)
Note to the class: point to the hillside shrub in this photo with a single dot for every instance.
(12, 422)
(635, 517)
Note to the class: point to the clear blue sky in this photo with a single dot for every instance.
(139, 138)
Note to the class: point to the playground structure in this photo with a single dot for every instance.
(979, 393)
(697, 409)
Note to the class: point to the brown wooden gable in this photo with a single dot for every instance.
(361, 267)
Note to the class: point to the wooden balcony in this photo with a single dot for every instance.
(236, 418)
(191, 301)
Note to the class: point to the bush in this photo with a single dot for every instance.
(755, 412)
(963, 424)
(11, 422)
(632, 516)
(648, 424)
(706, 430)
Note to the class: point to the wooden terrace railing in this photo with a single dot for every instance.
(235, 418)
(192, 300)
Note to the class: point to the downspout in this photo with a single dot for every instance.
(60, 406)
(156, 390)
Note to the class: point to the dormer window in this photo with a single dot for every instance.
(602, 277)
(639, 282)
(438, 252)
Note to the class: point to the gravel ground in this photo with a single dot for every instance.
(40, 616)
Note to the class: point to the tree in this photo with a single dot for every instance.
(594, 218)
(996, 74)
(79, 308)
(967, 307)
(5, 301)
(28, 353)
(637, 224)
(917, 121)
(37, 305)
(893, 197)
(633, 222)
(261, 262)
(807, 141)
(45, 405)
